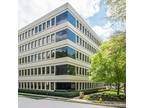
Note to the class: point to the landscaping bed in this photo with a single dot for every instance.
(107, 96)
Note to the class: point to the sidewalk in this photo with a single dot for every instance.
(76, 100)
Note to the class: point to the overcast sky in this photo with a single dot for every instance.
(94, 13)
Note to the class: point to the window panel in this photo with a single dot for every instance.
(52, 70)
(40, 28)
(52, 38)
(48, 23)
(52, 21)
(48, 54)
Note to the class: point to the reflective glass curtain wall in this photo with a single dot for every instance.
(66, 16)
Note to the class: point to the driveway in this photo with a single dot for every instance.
(24, 102)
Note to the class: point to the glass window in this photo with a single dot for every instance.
(77, 24)
(66, 16)
(61, 35)
(52, 53)
(48, 39)
(52, 38)
(52, 85)
(48, 54)
(65, 34)
(65, 69)
(39, 56)
(25, 59)
(32, 71)
(71, 52)
(71, 19)
(40, 28)
(31, 58)
(28, 59)
(65, 51)
(43, 70)
(61, 52)
(80, 26)
(43, 55)
(52, 69)
(39, 71)
(61, 18)
(29, 33)
(47, 70)
(44, 24)
(22, 36)
(28, 46)
(35, 71)
(71, 35)
(32, 31)
(28, 72)
(48, 23)
(52, 21)
(77, 39)
(43, 85)
(39, 42)
(26, 34)
(43, 40)
(36, 29)
(61, 69)
(36, 43)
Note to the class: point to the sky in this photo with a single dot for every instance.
(94, 12)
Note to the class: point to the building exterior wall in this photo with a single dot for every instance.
(39, 48)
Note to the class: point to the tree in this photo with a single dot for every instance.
(109, 63)
(117, 10)
(117, 14)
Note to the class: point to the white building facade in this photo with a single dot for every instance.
(54, 52)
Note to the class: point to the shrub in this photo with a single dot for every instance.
(51, 93)
(86, 97)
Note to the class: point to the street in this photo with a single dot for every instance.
(24, 102)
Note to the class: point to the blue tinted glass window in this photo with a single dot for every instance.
(66, 16)
(71, 35)
(61, 18)
(61, 35)
(71, 19)
(65, 34)
(71, 52)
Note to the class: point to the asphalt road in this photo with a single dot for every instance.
(24, 102)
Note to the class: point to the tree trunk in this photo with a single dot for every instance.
(118, 88)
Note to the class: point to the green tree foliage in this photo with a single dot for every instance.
(117, 10)
(109, 63)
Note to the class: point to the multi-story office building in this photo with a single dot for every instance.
(54, 52)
